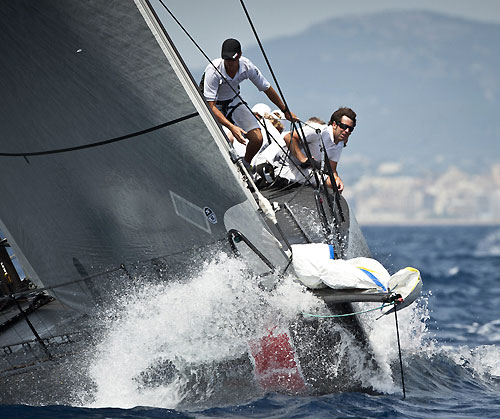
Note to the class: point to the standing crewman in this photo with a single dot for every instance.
(221, 88)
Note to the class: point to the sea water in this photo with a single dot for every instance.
(450, 339)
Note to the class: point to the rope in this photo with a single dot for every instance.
(333, 316)
(300, 132)
(283, 98)
(237, 94)
(277, 86)
(366, 311)
(275, 79)
(121, 267)
(264, 53)
(224, 78)
(100, 143)
(399, 351)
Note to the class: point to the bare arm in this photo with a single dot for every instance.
(237, 132)
(292, 141)
(274, 97)
(338, 181)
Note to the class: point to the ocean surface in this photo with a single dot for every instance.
(450, 340)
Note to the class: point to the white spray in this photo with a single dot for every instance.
(210, 319)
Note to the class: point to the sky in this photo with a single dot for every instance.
(210, 22)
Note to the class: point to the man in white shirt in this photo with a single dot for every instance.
(334, 135)
(221, 90)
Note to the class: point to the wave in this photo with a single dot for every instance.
(489, 245)
(160, 336)
(183, 344)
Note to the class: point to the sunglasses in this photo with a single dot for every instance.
(345, 126)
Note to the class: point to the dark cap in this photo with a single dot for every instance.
(230, 49)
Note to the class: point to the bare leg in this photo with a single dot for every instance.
(254, 144)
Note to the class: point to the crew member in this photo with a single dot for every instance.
(221, 90)
(335, 136)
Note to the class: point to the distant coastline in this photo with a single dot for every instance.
(458, 222)
(453, 197)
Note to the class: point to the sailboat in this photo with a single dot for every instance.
(114, 169)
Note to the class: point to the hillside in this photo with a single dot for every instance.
(426, 87)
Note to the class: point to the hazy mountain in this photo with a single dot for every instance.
(426, 87)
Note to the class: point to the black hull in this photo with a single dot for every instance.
(316, 340)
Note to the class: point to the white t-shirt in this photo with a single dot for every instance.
(333, 151)
(314, 141)
(216, 88)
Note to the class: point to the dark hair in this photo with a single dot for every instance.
(316, 119)
(339, 113)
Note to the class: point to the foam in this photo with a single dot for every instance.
(209, 319)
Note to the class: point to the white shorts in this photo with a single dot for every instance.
(242, 116)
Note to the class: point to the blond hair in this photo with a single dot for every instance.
(275, 122)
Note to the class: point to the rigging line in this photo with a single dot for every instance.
(40, 318)
(110, 271)
(399, 350)
(297, 166)
(204, 54)
(321, 185)
(329, 198)
(287, 265)
(330, 174)
(264, 53)
(335, 189)
(270, 67)
(268, 63)
(285, 157)
(88, 332)
(334, 316)
(250, 181)
(279, 88)
(221, 75)
(100, 143)
(28, 322)
(308, 153)
(266, 129)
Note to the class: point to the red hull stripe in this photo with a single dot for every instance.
(276, 368)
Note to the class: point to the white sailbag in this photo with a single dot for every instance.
(316, 267)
